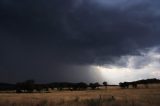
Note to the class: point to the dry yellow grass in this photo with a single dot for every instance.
(109, 97)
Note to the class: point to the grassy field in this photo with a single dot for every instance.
(103, 97)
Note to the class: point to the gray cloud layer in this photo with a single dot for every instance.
(38, 34)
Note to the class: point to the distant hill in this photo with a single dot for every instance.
(148, 81)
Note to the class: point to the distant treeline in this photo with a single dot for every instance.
(30, 86)
(135, 83)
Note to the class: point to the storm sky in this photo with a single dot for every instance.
(79, 40)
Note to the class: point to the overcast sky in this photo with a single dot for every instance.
(79, 40)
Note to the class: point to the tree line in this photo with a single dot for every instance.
(30, 86)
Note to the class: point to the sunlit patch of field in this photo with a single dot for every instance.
(103, 97)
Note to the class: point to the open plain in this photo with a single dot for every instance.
(112, 96)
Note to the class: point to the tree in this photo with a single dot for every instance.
(105, 84)
(124, 85)
(134, 84)
(27, 86)
(94, 85)
(82, 86)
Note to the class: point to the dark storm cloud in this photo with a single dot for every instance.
(39, 36)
